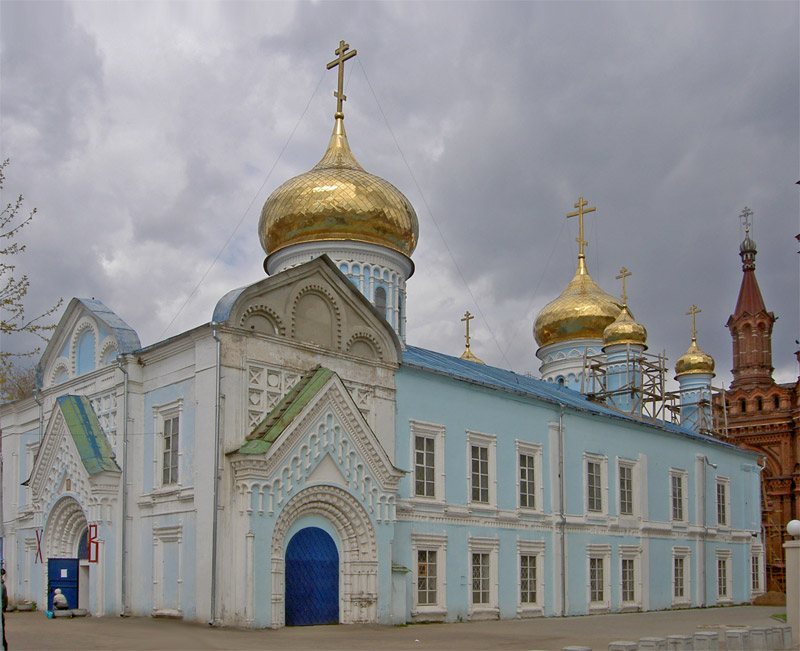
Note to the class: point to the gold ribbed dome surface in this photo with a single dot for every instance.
(338, 200)
(625, 330)
(694, 360)
(583, 311)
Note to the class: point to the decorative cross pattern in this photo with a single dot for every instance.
(582, 210)
(339, 93)
(693, 311)
(746, 217)
(623, 274)
(467, 318)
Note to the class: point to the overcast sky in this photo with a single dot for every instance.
(147, 134)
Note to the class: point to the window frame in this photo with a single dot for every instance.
(723, 558)
(531, 549)
(631, 466)
(600, 553)
(430, 543)
(161, 415)
(490, 547)
(684, 554)
(757, 585)
(530, 450)
(724, 507)
(489, 442)
(602, 462)
(437, 434)
(630, 554)
(683, 477)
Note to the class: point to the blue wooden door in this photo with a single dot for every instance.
(62, 573)
(312, 579)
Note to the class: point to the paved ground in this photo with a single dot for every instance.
(35, 631)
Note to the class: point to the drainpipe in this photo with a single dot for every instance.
(123, 582)
(706, 462)
(216, 338)
(37, 392)
(563, 517)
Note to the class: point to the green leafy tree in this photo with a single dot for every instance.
(16, 378)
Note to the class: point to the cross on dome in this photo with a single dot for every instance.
(623, 274)
(339, 93)
(579, 214)
(467, 318)
(693, 311)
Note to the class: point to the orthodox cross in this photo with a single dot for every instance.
(693, 311)
(745, 217)
(467, 318)
(339, 93)
(623, 274)
(579, 213)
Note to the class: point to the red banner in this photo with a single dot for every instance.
(93, 545)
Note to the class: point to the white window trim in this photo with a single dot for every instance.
(438, 544)
(724, 481)
(724, 555)
(603, 461)
(484, 546)
(437, 433)
(686, 554)
(489, 441)
(684, 476)
(602, 552)
(634, 553)
(160, 414)
(531, 548)
(634, 466)
(757, 552)
(161, 536)
(534, 450)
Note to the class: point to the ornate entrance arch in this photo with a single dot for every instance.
(359, 557)
(65, 526)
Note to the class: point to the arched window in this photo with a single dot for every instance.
(760, 404)
(560, 381)
(380, 301)
(742, 405)
(776, 402)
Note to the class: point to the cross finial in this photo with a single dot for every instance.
(582, 210)
(693, 311)
(746, 218)
(467, 318)
(623, 274)
(339, 93)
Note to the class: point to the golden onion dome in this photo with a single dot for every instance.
(694, 360)
(583, 311)
(338, 200)
(625, 330)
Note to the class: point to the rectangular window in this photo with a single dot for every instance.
(625, 490)
(527, 579)
(596, 580)
(170, 449)
(527, 481)
(678, 585)
(755, 569)
(722, 502)
(479, 457)
(628, 580)
(482, 469)
(480, 578)
(594, 486)
(722, 578)
(426, 577)
(424, 466)
(678, 495)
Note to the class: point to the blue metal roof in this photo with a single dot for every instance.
(503, 380)
(127, 339)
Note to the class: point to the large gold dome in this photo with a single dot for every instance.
(694, 360)
(338, 200)
(583, 311)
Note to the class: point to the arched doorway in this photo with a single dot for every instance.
(312, 579)
(66, 551)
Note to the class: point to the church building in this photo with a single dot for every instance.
(295, 461)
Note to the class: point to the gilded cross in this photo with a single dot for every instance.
(693, 311)
(745, 216)
(623, 274)
(467, 318)
(579, 214)
(339, 93)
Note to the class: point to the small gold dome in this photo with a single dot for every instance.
(625, 330)
(694, 360)
(583, 311)
(338, 200)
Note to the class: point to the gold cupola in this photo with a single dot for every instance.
(625, 330)
(583, 311)
(694, 360)
(338, 201)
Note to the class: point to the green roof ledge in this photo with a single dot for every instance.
(268, 430)
(96, 453)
